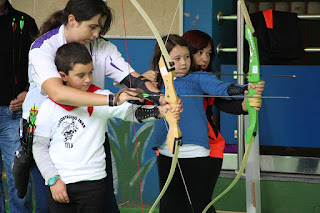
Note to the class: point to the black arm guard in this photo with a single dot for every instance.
(144, 112)
(236, 90)
(230, 106)
(140, 82)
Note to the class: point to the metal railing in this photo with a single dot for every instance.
(220, 49)
(221, 17)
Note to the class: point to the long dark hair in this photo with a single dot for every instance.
(171, 41)
(82, 10)
(199, 40)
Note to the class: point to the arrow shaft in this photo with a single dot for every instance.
(219, 96)
(217, 74)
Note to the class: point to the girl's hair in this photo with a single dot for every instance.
(71, 54)
(82, 10)
(199, 40)
(171, 41)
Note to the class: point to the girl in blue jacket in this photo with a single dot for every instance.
(195, 171)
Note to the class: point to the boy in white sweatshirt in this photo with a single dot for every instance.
(68, 141)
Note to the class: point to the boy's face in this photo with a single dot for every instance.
(80, 77)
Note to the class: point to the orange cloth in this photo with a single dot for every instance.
(268, 18)
(216, 142)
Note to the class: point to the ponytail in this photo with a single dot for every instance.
(54, 21)
(82, 10)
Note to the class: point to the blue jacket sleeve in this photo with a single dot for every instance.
(212, 86)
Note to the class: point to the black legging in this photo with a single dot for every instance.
(200, 175)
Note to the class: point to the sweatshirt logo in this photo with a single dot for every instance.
(69, 125)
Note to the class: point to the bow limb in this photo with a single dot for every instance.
(167, 71)
(253, 77)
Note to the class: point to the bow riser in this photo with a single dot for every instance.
(253, 77)
(174, 133)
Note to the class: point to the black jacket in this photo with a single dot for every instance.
(280, 44)
(15, 44)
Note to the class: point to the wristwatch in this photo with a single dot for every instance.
(53, 180)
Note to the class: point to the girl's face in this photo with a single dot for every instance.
(83, 32)
(180, 55)
(202, 57)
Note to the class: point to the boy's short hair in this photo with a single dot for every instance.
(70, 54)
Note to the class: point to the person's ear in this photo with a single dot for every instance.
(64, 76)
(72, 20)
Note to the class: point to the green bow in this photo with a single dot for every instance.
(253, 77)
